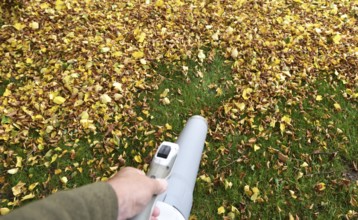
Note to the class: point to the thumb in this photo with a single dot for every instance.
(159, 185)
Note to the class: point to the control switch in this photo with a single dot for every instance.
(164, 151)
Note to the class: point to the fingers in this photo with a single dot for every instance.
(141, 172)
(156, 212)
(160, 185)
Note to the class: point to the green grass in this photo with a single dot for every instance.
(190, 93)
(330, 150)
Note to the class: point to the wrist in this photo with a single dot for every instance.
(121, 203)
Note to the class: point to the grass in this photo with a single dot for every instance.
(330, 151)
(190, 93)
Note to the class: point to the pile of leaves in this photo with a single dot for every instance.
(70, 69)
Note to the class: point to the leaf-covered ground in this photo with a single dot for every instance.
(89, 86)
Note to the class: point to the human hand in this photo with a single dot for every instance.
(134, 191)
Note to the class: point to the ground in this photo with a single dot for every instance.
(87, 87)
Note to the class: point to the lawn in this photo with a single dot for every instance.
(87, 87)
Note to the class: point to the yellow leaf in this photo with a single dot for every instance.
(29, 61)
(235, 210)
(138, 158)
(168, 126)
(219, 91)
(321, 186)
(143, 61)
(234, 53)
(59, 100)
(44, 5)
(318, 98)
(287, 119)
(29, 196)
(140, 38)
(117, 96)
(159, 3)
(34, 25)
(256, 147)
(18, 161)
(201, 55)
(138, 54)
(205, 178)
(241, 106)
(105, 99)
(299, 175)
(49, 129)
(117, 86)
(33, 186)
(164, 93)
(290, 216)
(293, 194)
(228, 184)
(54, 158)
(337, 38)
(13, 171)
(166, 101)
(254, 197)
(64, 180)
(19, 26)
(337, 106)
(247, 190)
(227, 108)
(84, 115)
(255, 194)
(105, 49)
(304, 164)
(17, 190)
(221, 210)
(273, 123)
(4, 211)
(215, 36)
(59, 5)
(282, 127)
(7, 92)
(246, 93)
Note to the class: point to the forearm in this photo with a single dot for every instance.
(94, 201)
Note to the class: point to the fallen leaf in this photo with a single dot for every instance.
(164, 93)
(138, 158)
(13, 171)
(320, 186)
(4, 211)
(27, 197)
(59, 100)
(18, 189)
(221, 210)
(64, 180)
(318, 98)
(105, 99)
(33, 186)
(337, 106)
(246, 93)
(201, 55)
(138, 54)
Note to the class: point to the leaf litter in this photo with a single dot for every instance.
(71, 69)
